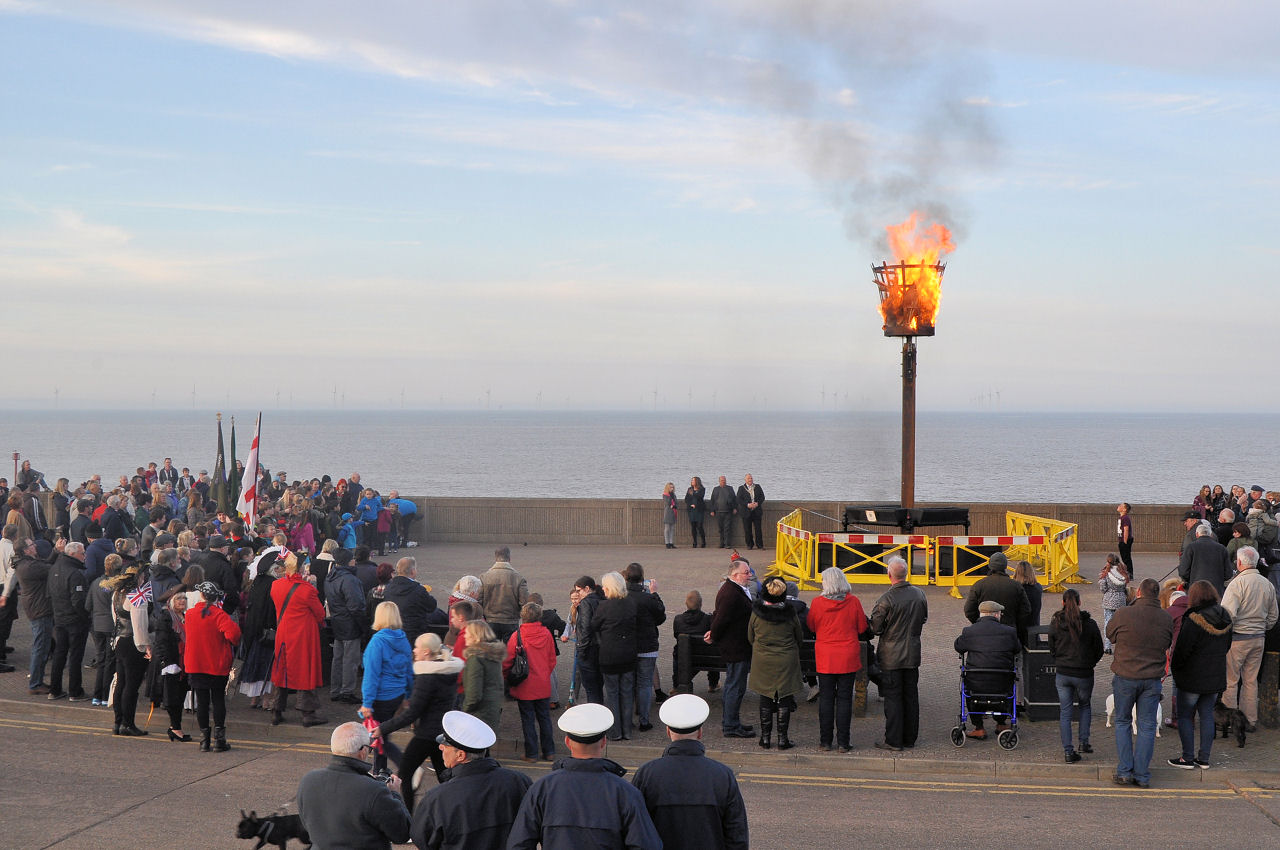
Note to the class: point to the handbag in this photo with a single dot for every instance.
(519, 663)
(270, 634)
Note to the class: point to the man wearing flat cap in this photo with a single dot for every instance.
(584, 801)
(694, 800)
(992, 645)
(997, 586)
(476, 807)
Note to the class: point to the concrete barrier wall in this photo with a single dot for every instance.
(604, 522)
(1157, 528)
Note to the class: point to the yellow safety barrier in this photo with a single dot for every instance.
(859, 547)
(1057, 558)
(1049, 545)
(795, 553)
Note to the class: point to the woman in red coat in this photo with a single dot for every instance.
(299, 616)
(533, 695)
(210, 648)
(837, 620)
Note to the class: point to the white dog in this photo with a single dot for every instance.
(1111, 710)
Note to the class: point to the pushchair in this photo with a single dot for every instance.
(982, 702)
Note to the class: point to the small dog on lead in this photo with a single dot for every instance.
(1111, 710)
(272, 829)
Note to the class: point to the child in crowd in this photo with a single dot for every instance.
(1113, 581)
(694, 621)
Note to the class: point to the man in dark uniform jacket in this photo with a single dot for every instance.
(724, 507)
(584, 801)
(751, 509)
(997, 586)
(475, 808)
(728, 633)
(694, 801)
(989, 644)
(68, 592)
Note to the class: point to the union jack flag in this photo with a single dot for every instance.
(139, 596)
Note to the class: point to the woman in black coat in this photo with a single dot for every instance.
(614, 626)
(695, 505)
(1199, 667)
(1075, 642)
(435, 684)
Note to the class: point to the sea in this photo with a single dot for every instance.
(841, 456)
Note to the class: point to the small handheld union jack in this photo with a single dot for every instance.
(141, 595)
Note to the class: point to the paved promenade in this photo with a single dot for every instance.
(60, 759)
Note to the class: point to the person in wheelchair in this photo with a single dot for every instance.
(988, 645)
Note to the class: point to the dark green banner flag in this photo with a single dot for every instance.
(218, 487)
(233, 473)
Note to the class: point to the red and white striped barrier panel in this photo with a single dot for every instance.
(1024, 540)
(879, 539)
(798, 533)
(1065, 534)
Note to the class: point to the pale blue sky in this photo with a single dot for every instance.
(592, 201)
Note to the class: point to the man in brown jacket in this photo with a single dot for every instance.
(503, 592)
(1140, 635)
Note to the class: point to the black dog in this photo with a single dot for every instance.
(1229, 720)
(273, 829)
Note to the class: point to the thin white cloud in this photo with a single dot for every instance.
(1175, 103)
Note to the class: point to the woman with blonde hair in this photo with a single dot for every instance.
(62, 506)
(669, 510)
(482, 674)
(615, 629)
(435, 679)
(388, 675)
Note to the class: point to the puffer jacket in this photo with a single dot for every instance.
(1262, 526)
(1114, 591)
(1199, 661)
(434, 688)
(388, 667)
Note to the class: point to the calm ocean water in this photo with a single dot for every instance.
(1152, 458)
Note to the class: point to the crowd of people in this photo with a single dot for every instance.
(186, 603)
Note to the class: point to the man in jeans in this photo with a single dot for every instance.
(1251, 601)
(1140, 635)
(729, 633)
(33, 578)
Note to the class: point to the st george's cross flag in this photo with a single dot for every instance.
(247, 504)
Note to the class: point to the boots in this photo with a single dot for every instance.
(766, 726)
(784, 725)
(204, 740)
(220, 744)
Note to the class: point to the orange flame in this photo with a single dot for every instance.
(910, 297)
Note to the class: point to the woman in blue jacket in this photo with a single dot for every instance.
(388, 675)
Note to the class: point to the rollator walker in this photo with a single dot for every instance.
(973, 702)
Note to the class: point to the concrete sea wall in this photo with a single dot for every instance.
(1157, 528)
